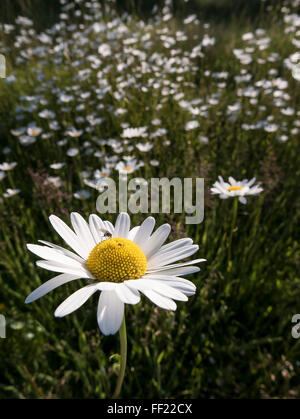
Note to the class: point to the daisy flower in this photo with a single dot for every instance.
(82, 194)
(8, 166)
(119, 262)
(235, 188)
(127, 168)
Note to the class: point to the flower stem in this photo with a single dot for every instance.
(235, 209)
(123, 343)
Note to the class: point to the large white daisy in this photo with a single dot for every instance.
(117, 261)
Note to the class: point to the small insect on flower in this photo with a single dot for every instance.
(106, 234)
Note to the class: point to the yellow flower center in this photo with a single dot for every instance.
(116, 260)
(234, 188)
(127, 168)
(34, 132)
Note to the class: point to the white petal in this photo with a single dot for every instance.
(109, 227)
(178, 279)
(167, 258)
(122, 225)
(64, 251)
(243, 200)
(68, 236)
(177, 265)
(76, 300)
(160, 287)
(54, 255)
(181, 284)
(49, 286)
(127, 295)
(83, 232)
(144, 232)
(175, 245)
(59, 267)
(110, 313)
(106, 286)
(250, 183)
(232, 181)
(159, 300)
(156, 240)
(185, 270)
(96, 225)
(132, 233)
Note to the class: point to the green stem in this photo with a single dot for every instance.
(123, 343)
(235, 209)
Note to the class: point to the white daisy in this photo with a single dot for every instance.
(33, 131)
(57, 166)
(11, 192)
(8, 166)
(82, 194)
(235, 188)
(117, 261)
(128, 167)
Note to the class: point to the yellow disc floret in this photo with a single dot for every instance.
(234, 188)
(116, 260)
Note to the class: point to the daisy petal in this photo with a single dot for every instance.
(172, 256)
(122, 226)
(184, 270)
(64, 251)
(59, 267)
(51, 254)
(49, 286)
(106, 286)
(127, 295)
(68, 235)
(110, 312)
(76, 300)
(83, 232)
(176, 265)
(159, 300)
(109, 227)
(156, 240)
(158, 286)
(168, 278)
(132, 233)
(96, 225)
(144, 232)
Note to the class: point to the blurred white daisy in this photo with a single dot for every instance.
(144, 147)
(11, 192)
(8, 166)
(118, 261)
(134, 132)
(235, 188)
(34, 131)
(57, 166)
(128, 167)
(2, 175)
(72, 152)
(82, 194)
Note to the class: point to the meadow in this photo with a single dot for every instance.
(194, 89)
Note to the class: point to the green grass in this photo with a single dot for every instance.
(233, 338)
